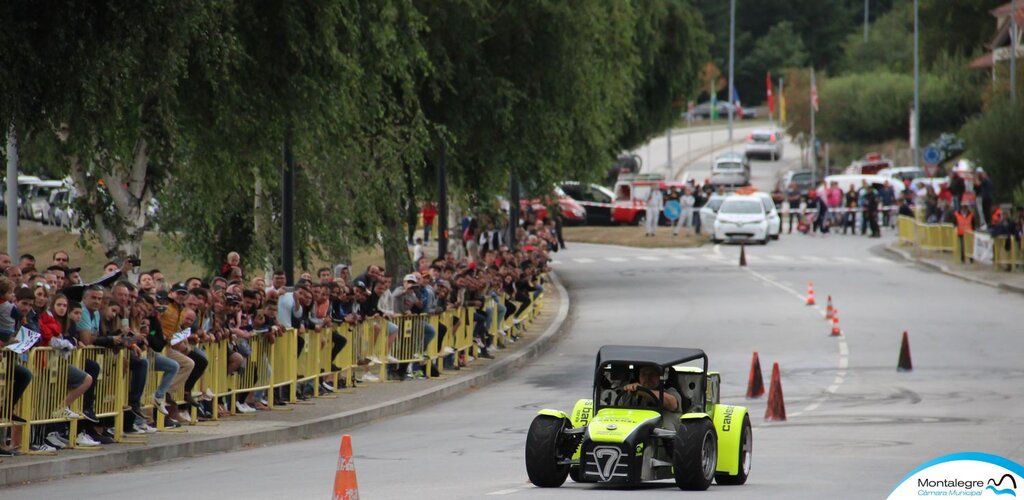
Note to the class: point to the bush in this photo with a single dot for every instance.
(993, 143)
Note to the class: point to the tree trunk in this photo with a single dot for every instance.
(396, 253)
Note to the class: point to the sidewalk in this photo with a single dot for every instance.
(984, 274)
(327, 415)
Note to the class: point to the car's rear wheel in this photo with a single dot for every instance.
(746, 455)
(542, 452)
(695, 454)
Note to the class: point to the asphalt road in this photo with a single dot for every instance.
(855, 427)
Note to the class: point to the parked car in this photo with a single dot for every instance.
(710, 210)
(62, 211)
(899, 174)
(597, 200)
(24, 182)
(802, 179)
(772, 213)
(36, 200)
(741, 218)
(764, 143)
(730, 170)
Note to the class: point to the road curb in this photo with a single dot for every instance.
(131, 457)
(946, 270)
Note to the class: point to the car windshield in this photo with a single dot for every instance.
(741, 207)
(610, 383)
(729, 166)
(762, 137)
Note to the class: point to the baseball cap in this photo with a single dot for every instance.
(411, 277)
(179, 287)
(360, 284)
(232, 298)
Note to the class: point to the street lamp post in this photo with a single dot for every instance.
(1013, 51)
(916, 125)
(732, 53)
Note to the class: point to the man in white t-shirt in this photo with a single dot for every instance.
(654, 201)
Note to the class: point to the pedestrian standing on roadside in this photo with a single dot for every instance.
(793, 199)
(964, 223)
(429, 213)
(957, 187)
(698, 202)
(871, 213)
(675, 195)
(888, 196)
(654, 204)
(687, 202)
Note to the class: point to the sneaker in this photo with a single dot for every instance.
(101, 438)
(90, 416)
(326, 387)
(369, 377)
(42, 448)
(85, 439)
(137, 411)
(160, 405)
(449, 350)
(374, 360)
(71, 414)
(170, 423)
(184, 416)
(392, 359)
(137, 430)
(56, 440)
(263, 401)
(9, 452)
(208, 394)
(244, 408)
(149, 428)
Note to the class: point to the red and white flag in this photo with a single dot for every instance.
(771, 95)
(814, 92)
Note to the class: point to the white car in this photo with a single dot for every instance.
(741, 218)
(710, 210)
(774, 220)
(765, 144)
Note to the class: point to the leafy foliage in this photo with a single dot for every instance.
(993, 143)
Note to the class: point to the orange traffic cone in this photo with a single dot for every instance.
(345, 485)
(810, 293)
(755, 384)
(835, 323)
(776, 410)
(905, 365)
(828, 309)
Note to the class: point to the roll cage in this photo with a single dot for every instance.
(616, 357)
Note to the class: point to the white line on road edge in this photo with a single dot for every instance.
(504, 492)
(649, 258)
(615, 259)
(584, 260)
(844, 349)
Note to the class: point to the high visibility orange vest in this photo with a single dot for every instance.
(964, 223)
(997, 216)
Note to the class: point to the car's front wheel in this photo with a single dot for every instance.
(695, 454)
(746, 455)
(542, 452)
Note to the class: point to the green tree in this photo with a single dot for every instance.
(993, 143)
(890, 45)
(777, 50)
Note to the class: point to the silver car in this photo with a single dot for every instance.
(730, 170)
(764, 144)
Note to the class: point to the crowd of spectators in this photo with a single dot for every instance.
(166, 323)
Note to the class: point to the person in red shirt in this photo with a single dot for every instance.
(429, 213)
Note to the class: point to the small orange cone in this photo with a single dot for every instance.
(345, 485)
(905, 365)
(835, 323)
(776, 410)
(743, 254)
(810, 293)
(755, 384)
(828, 309)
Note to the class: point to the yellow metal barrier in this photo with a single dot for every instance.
(8, 360)
(409, 347)
(284, 364)
(905, 229)
(256, 375)
(110, 385)
(1007, 253)
(44, 398)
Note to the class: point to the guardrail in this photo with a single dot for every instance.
(443, 340)
(1007, 253)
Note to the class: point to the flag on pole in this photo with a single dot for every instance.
(771, 95)
(735, 101)
(782, 102)
(814, 91)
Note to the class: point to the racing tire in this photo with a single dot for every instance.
(695, 454)
(574, 473)
(542, 445)
(776, 236)
(763, 241)
(746, 455)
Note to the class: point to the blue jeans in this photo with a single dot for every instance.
(167, 365)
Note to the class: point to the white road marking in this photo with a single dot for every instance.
(650, 258)
(781, 258)
(846, 260)
(681, 256)
(504, 492)
(879, 260)
(844, 349)
(615, 259)
(584, 260)
(812, 258)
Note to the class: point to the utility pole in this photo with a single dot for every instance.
(732, 53)
(916, 126)
(1013, 51)
(288, 209)
(866, 2)
(11, 196)
(668, 141)
(814, 139)
(442, 205)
